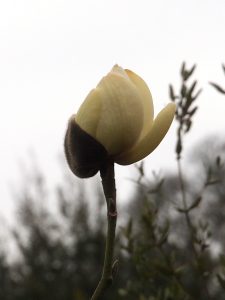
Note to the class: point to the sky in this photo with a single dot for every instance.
(53, 52)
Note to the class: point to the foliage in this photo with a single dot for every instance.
(171, 247)
(61, 253)
(174, 247)
(217, 86)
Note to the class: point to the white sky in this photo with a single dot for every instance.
(52, 52)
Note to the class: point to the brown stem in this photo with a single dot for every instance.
(108, 183)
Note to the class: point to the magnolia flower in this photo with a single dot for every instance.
(115, 121)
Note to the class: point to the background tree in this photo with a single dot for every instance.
(171, 246)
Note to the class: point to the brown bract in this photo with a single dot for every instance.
(84, 154)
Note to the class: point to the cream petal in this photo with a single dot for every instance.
(119, 71)
(146, 99)
(89, 112)
(145, 146)
(121, 118)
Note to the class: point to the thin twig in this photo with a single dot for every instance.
(108, 183)
(184, 200)
(188, 220)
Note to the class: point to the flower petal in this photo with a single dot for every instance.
(121, 118)
(145, 146)
(88, 114)
(119, 71)
(146, 99)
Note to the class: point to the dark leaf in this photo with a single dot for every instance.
(191, 71)
(183, 69)
(185, 73)
(195, 203)
(223, 66)
(192, 206)
(192, 111)
(188, 124)
(191, 89)
(218, 88)
(196, 96)
(171, 93)
(183, 90)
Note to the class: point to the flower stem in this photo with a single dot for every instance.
(108, 183)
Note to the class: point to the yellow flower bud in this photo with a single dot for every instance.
(116, 120)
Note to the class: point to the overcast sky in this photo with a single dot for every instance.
(52, 52)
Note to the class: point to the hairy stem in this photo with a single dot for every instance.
(108, 183)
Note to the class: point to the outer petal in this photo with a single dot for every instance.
(119, 71)
(89, 112)
(121, 118)
(145, 146)
(146, 99)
